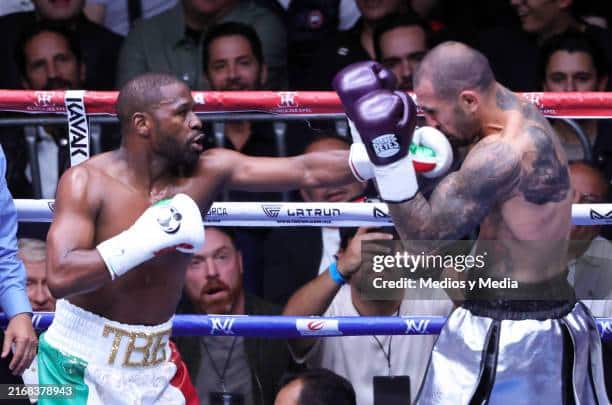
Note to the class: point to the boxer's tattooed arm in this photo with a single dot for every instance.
(464, 198)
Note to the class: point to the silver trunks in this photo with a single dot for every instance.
(484, 360)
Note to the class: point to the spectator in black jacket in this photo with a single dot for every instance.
(100, 46)
(539, 20)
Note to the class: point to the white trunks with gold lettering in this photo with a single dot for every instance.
(107, 362)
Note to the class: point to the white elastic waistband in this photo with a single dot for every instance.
(98, 340)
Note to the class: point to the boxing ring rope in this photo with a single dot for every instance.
(282, 103)
(271, 214)
(301, 326)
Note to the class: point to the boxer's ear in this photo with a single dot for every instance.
(469, 101)
(141, 123)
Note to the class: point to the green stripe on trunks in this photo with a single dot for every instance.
(55, 367)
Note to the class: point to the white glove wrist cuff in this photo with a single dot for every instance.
(397, 181)
(119, 259)
(359, 162)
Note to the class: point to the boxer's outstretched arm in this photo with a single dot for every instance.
(73, 264)
(461, 201)
(279, 174)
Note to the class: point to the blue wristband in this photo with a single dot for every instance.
(335, 274)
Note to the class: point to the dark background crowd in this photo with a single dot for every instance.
(532, 45)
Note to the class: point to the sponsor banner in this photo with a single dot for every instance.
(303, 214)
(317, 327)
(568, 105)
(605, 328)
(592, 214)
(222, 325)
(216, 214)
(417, 326)
(78, 128)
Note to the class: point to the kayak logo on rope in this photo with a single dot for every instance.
(78, 129)
(605, 218)
(317, 327)
(271, 211)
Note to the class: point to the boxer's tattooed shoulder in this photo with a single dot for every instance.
(489, 176)
(545, 177)
(531, 113)
(506, 100)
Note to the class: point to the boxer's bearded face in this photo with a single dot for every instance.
(460, 127)
(177, 132)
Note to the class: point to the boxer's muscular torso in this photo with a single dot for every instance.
(514, 184)
(149, 293)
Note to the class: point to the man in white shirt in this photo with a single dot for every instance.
(362, 359)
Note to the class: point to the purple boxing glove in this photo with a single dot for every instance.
(386, 121)
(357, 80)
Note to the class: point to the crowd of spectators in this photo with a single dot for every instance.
(227, 45)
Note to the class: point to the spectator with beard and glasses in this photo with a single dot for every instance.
(49, 58)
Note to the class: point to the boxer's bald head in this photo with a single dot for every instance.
(453, 67)
(142, 94)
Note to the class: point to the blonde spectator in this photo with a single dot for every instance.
(33, 253)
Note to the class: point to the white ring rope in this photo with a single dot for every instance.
(273, 214)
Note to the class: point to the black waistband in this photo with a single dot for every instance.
(549, 299)
(517, 310)
(554, 289)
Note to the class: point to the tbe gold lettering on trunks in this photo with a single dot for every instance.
(151, 346)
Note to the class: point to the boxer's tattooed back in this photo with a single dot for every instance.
(545, 178)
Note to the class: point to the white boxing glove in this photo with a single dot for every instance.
(174, 223)
(430, 152)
